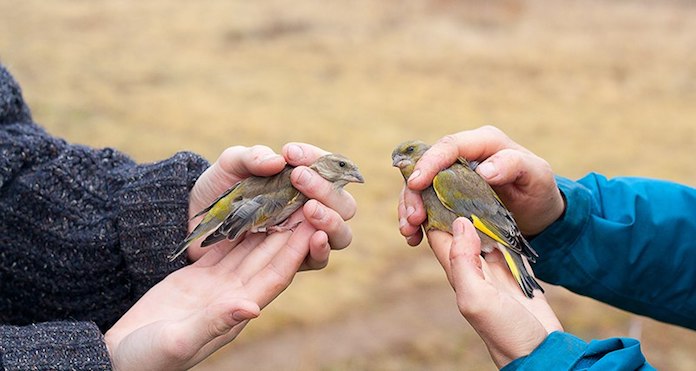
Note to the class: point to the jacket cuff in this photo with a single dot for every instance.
(152, 216)
(560, 349)
(53, 346)
(552, 244)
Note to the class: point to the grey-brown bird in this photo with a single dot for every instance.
(459, 191)
(261, 204)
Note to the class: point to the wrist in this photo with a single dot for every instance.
(111, 345)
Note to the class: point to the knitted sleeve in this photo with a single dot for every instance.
(84, 232)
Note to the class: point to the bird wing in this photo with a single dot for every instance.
(239, 221)
(473, 199)
(227, 192)
(258, 212)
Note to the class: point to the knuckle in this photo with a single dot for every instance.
(259, 150)
(230, 155)
(233, 150)
(448, 139)
(491, 129)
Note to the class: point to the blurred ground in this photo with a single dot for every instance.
(589, 85)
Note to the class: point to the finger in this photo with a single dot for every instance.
(415, 239)
(209, 256)
(184, 339)
(467, 269)
(412, 232)
(240, 162)
(474, 144)
(263, 248)
(327, 220)
(301, 153)
(319, 251)
(415, 209)
(509, 166)
(234, 164)
(500, 272)
(441, 243)
(405, 228)
(227, 255)
(314, 186)
(275, 277)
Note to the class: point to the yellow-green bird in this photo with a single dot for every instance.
(459, 191)
(261, 204)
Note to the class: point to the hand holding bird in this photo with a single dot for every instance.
(458, 191)
(262, 204)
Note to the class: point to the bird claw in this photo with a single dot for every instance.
(282, 228)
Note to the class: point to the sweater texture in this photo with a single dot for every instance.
(84, 233)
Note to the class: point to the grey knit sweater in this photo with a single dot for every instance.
(84, 233)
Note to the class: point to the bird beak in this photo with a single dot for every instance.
(357, 178)
(398, 161)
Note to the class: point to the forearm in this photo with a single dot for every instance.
(627, 242)
(53, 345)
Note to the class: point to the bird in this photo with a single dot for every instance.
(458, 191)
(262, 204)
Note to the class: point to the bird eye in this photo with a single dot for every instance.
(410, 149)
(342, 164)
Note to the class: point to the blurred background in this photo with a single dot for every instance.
(588, 85)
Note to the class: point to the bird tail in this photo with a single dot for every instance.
(197, 232)
(231, 229)
(519, 271)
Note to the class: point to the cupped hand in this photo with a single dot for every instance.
(201, 307)
(524, 181)
(510, 324)
(327, 210)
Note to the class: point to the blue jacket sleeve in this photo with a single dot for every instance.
(628, 242)
(567, 352)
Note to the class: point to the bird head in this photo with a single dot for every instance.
(406, 154)
(338, 169)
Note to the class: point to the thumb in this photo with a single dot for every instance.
(167, 345)
(205, 325)
(465, 262)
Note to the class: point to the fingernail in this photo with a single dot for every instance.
(409, 211)
(304, 177)
(402, 222)
(415, 175)
(295, 152)
(487, 170)
(318, 212)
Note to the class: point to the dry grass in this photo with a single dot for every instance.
(589, 85)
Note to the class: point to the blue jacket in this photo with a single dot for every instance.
(628, 242)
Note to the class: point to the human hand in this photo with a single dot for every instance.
(523, 181)
(327, 211)
(199, 308)
(510, 324)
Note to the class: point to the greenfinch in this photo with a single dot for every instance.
(261, 204)
(459, 191)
